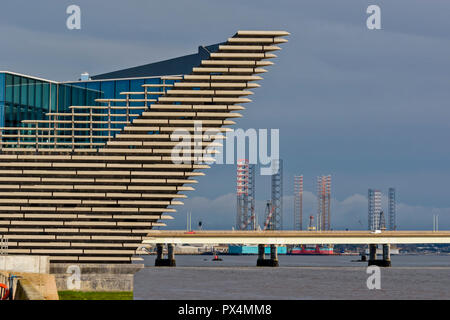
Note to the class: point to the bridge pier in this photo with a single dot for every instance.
(169, 261)
(261, 253)
(386, 255)
(272, 261)
(385, 261)
(363, 256)
(372, 253)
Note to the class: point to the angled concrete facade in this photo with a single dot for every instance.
(89, 183)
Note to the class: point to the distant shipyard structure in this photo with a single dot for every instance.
(374, 202)
(324, 203)
(245, 192)
(298, 202)
(246, 218)
(392, 211)
(376, 218)
(323, 215)
(277, 197)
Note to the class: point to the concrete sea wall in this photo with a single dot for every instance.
(95, 277)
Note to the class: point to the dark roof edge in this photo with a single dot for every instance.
(179, 65)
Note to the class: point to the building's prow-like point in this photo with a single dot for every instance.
(272, 33)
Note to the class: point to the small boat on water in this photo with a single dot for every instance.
(216, 258)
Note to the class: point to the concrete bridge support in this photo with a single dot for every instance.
(387, 255)
(165, 262)
(363, 256)
(386, 259)
(261, 253)
(372, 253)
(272, 261)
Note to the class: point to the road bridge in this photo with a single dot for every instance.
(275, 238)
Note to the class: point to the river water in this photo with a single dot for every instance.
(298, 277)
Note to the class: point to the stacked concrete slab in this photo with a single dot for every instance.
(78, 189)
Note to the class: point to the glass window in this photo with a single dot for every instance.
(45, 96)
(9, 88)
(107, 89)
(152, 81)
(78, 94)
(61, 93)
(63, 98)
(74, 95)
(2, 112)
(93, 92)
(8, 115)
(121, 86)
(136, 86)
(38, 94)
(31, 113)
(22, 113)
(31, 92)
(2, 87)
(16, 89)
(24, 91)
(15, 116)
(54, 95)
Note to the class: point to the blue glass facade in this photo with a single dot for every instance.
(84, 93)
(23, 97)
(2, 99)
(28, 98)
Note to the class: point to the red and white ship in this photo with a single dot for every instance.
(313, 250)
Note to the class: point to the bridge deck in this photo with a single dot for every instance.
(295, 237)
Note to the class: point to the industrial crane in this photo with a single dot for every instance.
(270, 210)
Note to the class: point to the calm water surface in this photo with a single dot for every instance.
(298, 277)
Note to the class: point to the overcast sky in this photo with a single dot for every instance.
(369, 107)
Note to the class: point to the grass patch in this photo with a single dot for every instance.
(93, 295)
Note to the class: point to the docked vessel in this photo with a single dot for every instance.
(245, 249)
(312, 250)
